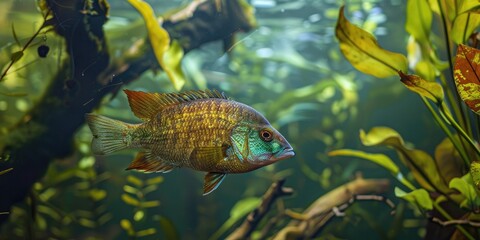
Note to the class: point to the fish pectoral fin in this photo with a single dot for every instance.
(212, 181)
(145, 162)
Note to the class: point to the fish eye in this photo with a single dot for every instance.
(266, 135)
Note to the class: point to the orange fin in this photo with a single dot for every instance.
(146, 105)
(144, 162)
(212, 181)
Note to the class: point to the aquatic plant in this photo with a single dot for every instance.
(446, 187)
(135, 195)
(81, 72)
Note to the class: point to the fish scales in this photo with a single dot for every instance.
(201, 123)
(201, 130)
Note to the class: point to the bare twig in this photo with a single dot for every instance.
(456, 222)
(275, 191)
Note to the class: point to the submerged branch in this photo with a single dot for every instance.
(275, 191)
(46, 131)
(324, 208)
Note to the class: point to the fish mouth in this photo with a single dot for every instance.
(284, 154)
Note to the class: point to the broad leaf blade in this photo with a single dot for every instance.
(466, 74)
(449, 162)
(418, 197)
(160, 41)
(464, 25)
(419, 20)
(465, 186)
(363, 52)
(380, 159)
(421, 164)
(430, 90)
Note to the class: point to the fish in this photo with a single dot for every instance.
(198, 129)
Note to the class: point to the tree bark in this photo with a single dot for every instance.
(46, 132)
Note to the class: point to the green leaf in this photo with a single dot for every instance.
(380, 159)
(139, 215)
(466, 75)
(464, 25)
(430, 90)
(86, 223)
(135, 181)
(130, 200)
(150, 204)
(422, 165)
(97, 194)
(465, 187)
(154, 180)
(146, 232)
(16, 56)
(239, 210)
(419, 197)
(419, 20)
(130, 189)
(160, 41)
(6, 171)
(127, 226)
(363, 52)
(449, 162)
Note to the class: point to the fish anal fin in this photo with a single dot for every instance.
(145, 162)
(212, 181)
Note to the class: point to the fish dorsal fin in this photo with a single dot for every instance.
(146, 105)
(146, 163)
(212, 181)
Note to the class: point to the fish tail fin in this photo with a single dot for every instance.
(108, 134)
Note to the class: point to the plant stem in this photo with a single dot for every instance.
(458, 145)
(445, 214)
(444, 112)
(461, 114)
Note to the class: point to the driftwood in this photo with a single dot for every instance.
(309, 223)
(45, 133)
(320, 211)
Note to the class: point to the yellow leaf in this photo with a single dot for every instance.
(363, 52)
(422, 165)
(149, 204)
(135, 181)
(98, 194)
(464, 25)
(127, 226)
(155, 180)
(130, 200)
(160, 41)
(430, 90)
(419, 20)
(380, 159)
(146, 232)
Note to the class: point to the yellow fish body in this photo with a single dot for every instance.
(202, 130)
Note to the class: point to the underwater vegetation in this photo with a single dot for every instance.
(62, 60)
